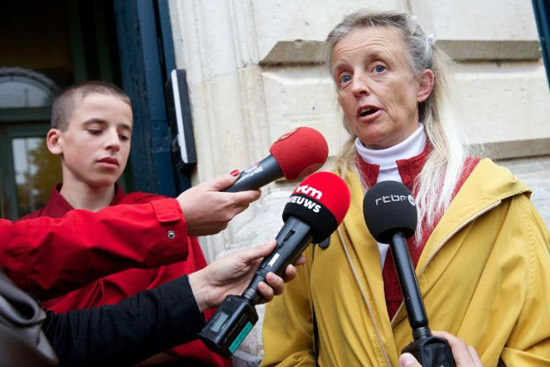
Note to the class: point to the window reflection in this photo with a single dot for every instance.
(24, 88)
(36, 171)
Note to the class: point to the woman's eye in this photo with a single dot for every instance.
(124, 137)
(345, 79)
(379, 68)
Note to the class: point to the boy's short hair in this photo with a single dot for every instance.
(66, 102)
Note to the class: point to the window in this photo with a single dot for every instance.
(27, 169)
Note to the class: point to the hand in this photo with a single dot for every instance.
(464, 355)
(233, 273)
(207, 210)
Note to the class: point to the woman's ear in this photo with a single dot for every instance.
(425, 85)
(53, 140)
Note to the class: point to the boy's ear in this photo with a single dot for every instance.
(53, 140)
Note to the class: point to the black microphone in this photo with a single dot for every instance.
(389, 210)
(294, 156)
(314, 210)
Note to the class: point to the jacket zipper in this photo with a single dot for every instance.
(445, 240)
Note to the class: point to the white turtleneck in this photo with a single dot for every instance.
(387, 160)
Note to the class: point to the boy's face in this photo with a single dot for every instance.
(95, 146)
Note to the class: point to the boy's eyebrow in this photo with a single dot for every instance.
(100, 121)
(125, 126)
(94, 120)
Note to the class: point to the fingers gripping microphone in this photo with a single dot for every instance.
(294, 156)
(390, 214)
(314, 210)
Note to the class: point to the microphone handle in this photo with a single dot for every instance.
(431, 351)
(292, 240)
(409, 285)
(257, 175)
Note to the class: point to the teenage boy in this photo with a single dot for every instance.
(91, 133)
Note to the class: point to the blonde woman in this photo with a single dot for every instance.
(481, 250)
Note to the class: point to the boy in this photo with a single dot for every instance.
(91, 133)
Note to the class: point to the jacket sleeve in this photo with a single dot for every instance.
(529, 342)
(195, 261)
(287, 328)
(133, 330)
(49, 257)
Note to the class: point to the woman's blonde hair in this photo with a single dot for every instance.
(435, 185)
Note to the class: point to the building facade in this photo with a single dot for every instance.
(253, 75)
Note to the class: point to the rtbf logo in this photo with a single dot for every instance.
(308, 190)
(386, 199)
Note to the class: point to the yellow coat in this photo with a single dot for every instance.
(484, 275)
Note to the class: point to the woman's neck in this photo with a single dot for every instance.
(83, 196)
(387, 158)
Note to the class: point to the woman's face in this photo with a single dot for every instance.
(377, 90)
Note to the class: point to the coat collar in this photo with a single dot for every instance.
(57, 206)
(408, 168)
(487, 185)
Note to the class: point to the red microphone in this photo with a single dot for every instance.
(294, 156)
(314, 210)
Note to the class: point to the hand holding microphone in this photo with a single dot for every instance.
(314, 210)
(390, 214)
(208, 211)
(463, 354)
(294, 156)
(232, 274)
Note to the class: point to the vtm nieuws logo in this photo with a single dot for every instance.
(313, 193)
(308, 190)
(386, 199)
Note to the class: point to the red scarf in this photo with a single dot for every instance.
(408, 169)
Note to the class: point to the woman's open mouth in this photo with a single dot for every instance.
(367, 111)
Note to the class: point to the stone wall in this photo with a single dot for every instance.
(535, 172)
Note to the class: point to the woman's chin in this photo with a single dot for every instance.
(374, 140)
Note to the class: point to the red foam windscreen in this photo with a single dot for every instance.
(300, 152)
(328, 189)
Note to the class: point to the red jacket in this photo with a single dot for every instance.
(114, 288)
(48, 257)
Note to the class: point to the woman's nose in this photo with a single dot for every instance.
(360, 85)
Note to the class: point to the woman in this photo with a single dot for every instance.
(481, 251)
